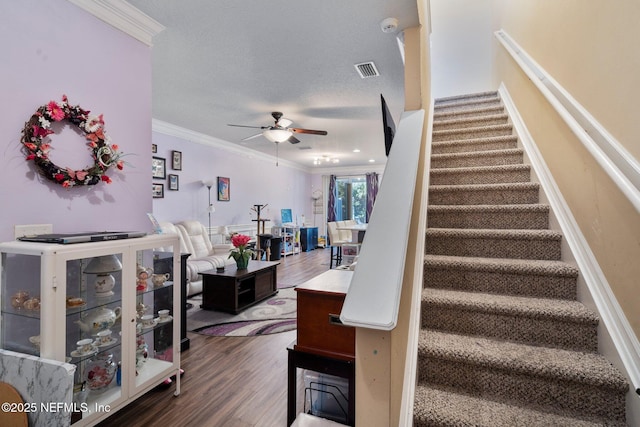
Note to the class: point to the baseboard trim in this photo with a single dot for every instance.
(624, 339)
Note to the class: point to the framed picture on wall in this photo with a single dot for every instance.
(176, 163)
(158, 191)
(158, 168)
(223, 189)
(173, 182)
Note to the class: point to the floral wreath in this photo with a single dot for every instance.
(92, 127)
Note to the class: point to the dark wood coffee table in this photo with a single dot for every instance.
(233, 290)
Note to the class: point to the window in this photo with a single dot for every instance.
(351, 198)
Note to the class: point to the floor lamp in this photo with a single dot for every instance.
(210, 208)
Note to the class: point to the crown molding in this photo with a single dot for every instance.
(349, 170)
(200, 138)
(123, 16)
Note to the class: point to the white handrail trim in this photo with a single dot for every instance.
(411, 361)
(616, 161)
(374, 293)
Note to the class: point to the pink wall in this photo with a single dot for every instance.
(254, 180)
(52, 48)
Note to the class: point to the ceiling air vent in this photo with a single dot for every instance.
(304, 148)
(367, 69)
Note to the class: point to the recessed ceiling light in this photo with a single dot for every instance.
(357, 150)
(371, 161)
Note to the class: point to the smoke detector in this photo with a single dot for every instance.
(389, 25)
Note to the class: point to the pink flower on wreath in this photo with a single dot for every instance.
(240, 241)
(55, 111)
(39, 132)
(106, 179)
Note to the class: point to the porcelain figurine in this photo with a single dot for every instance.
(143, 273)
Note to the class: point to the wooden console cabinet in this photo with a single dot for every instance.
(323, 343)
(233, 290)
(319, 328)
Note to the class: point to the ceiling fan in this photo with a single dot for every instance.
(280, 131)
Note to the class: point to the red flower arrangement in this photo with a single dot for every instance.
(38, 128)
(241, 253)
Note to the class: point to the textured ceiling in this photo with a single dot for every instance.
(222, 61)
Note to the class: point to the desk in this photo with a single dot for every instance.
(357, 231)
(323, 344)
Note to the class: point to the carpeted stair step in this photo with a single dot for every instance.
(490, 110)
(482, 158)
(533, 278)
(546, 322)
(457, 99)
(519, 244)
(480, 175)
(485, 194)
(471, 133)
(489, 216)
(563, 382)
(470, 122)
(437, 407)
(478, 144)
(449, 105)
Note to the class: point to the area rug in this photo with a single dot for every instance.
(275, 314)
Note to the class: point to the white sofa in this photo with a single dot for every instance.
(194, 240)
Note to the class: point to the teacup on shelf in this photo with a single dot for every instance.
(18, 299)
(159, 279)
(85, 346)
(104, 337)
(148, 321)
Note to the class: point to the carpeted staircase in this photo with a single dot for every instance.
(503, 341)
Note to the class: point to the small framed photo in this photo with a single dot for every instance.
(158, 191)
(173, 182)
(176, 163)
(154, 148)
(158, 168)
(223, 189)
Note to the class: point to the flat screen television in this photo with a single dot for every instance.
(388, 125)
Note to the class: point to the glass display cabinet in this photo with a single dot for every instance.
(100, 307)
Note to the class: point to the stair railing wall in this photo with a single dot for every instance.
(410, 316)
(620, 344)
(373, 301)
(374, 293)
(615, 160)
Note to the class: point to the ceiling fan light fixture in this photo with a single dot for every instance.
(277, 135)
(284, 123)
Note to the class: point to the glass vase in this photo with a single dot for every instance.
(242, 262)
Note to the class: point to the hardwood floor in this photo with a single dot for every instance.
(229, 381)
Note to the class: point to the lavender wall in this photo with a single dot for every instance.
(52, 48)
(254, 180)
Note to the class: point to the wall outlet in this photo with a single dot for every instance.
(32, 229)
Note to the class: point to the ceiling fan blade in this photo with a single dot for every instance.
(253, 127)
(252, 136)
(292, 139)
(308, 131)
